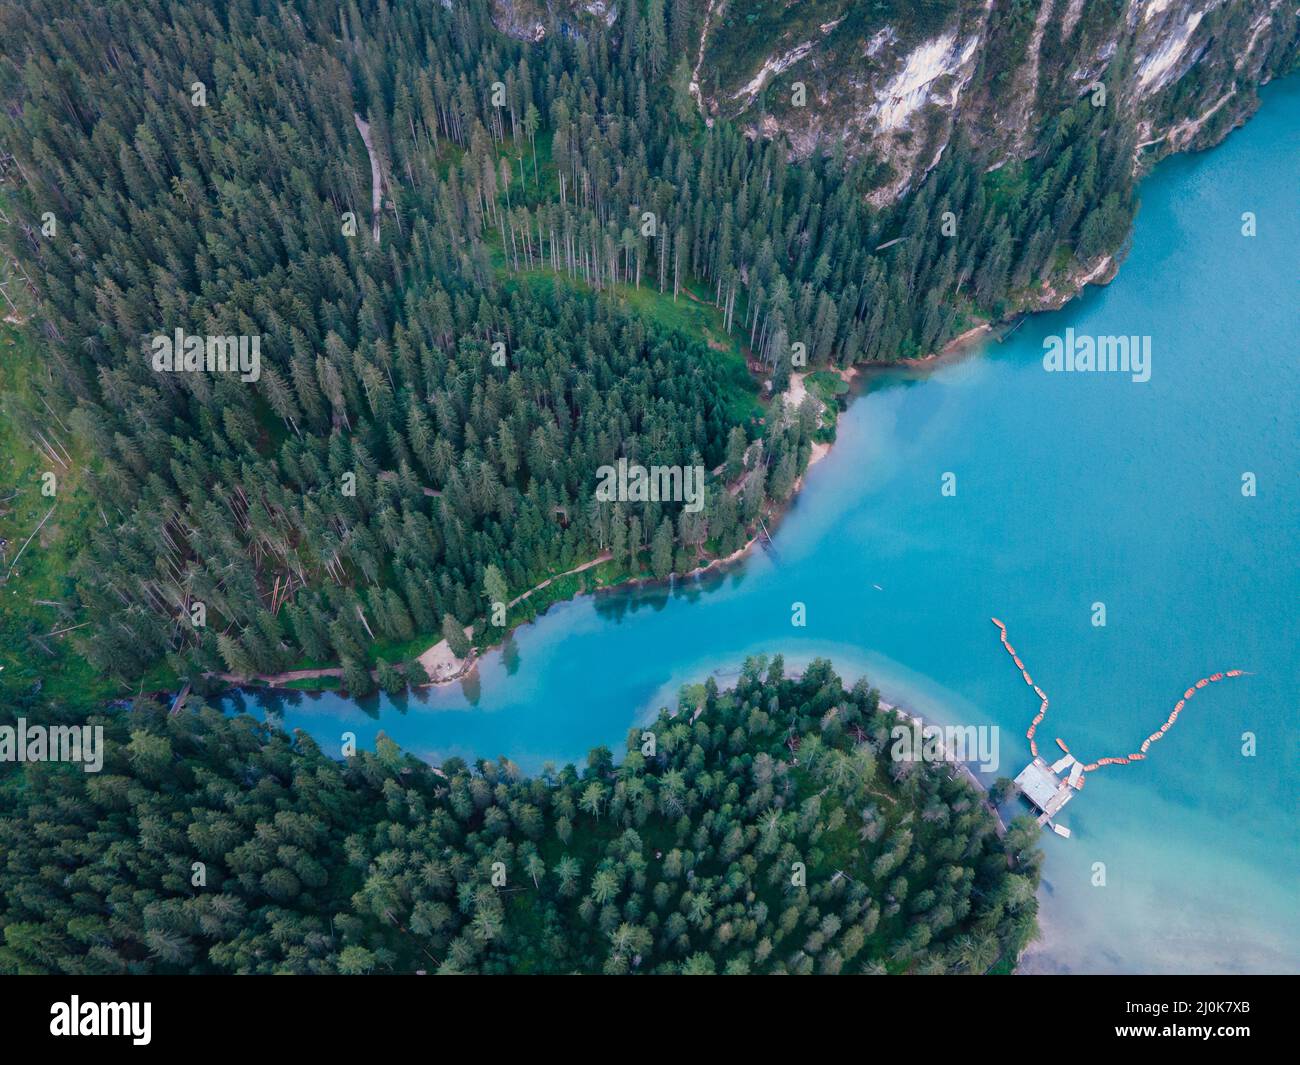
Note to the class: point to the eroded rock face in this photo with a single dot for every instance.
(524, 19)
(898, 79)
(532, 20)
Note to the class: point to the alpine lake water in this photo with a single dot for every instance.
(1071, 489)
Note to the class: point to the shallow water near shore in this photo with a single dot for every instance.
(1072, 489)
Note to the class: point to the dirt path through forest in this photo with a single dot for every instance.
(438, 661)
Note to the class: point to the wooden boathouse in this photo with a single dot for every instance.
(1050, 787)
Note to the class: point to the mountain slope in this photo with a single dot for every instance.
(898, 79)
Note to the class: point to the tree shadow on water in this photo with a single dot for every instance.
(471, 685)
(266, 700)
(370, 705)
(510, 657)
(617, 603)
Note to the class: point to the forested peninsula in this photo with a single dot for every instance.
(764, 829)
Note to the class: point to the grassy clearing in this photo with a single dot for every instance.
(35, 594)
(690, 313)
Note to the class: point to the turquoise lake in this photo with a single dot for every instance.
(1072, 489)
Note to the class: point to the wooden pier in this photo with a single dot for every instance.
(1050, 787)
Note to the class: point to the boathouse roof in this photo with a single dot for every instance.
(1038, 783)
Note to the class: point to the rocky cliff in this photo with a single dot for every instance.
(532, 20)
(897, 79)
